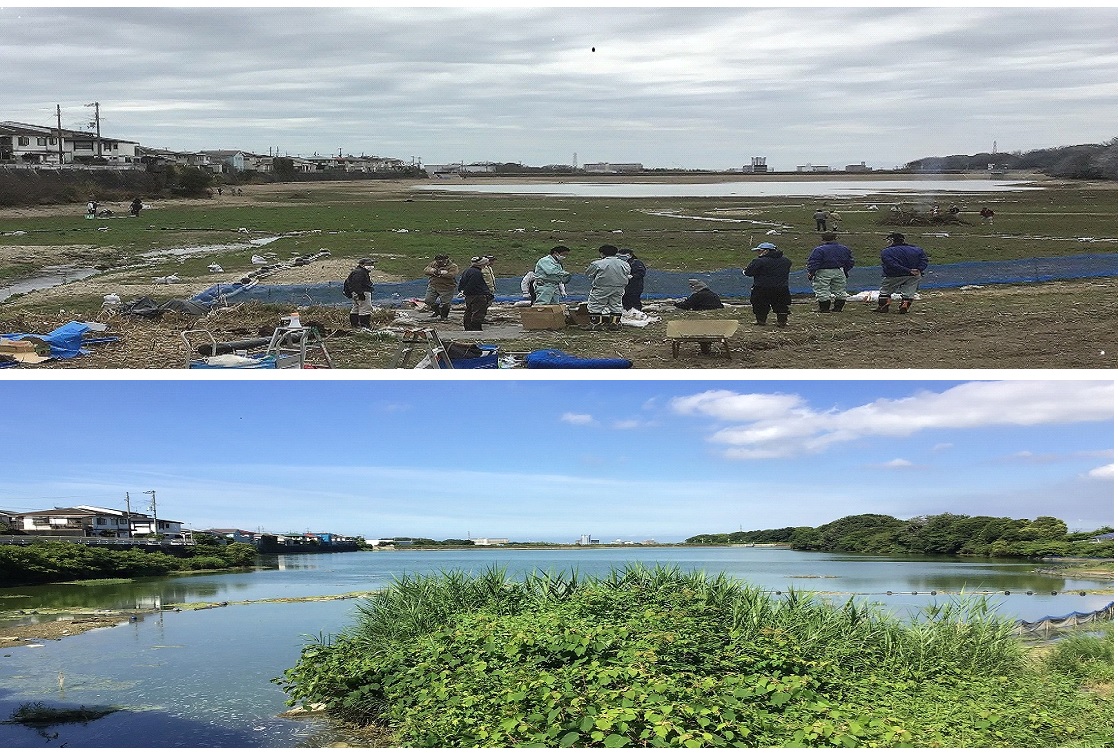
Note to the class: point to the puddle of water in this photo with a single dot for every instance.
(48, 277)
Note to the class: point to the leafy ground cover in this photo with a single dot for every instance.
(668, 659)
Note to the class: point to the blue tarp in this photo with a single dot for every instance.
(64, 341)
(557, 359)
(729, 283)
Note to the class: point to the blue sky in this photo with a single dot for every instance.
(536, 460)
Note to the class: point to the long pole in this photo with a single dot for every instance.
(154, 514)
(97, 123)
(128, 509)
(58, 113)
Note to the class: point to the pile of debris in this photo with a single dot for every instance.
(907, 216)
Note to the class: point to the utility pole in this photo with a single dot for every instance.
(154, 514)
(128, 516)
(58, 114)
(97, 123)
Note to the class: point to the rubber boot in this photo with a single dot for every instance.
(882, 305)
(366, 321)
(837, 307)
(759, 323)
(782, 320)
(354, 321)
(906, 303)
(595, 323)
(615, 322)
(444, 311)
(824, 307)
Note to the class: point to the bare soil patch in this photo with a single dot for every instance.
(1055, 325)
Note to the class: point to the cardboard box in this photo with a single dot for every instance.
(23, 351)
(581, 315)
(544, 317)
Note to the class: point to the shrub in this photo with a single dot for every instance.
(664, 658)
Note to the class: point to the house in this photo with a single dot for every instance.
(235, 535)
(72, 521)
(150, 156)
(142, 525)
(29, 145)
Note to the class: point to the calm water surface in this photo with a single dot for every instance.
(745, 188)
(203, 678)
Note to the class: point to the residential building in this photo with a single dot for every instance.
(235, 535)
(142, 525)
(72, 521)
(33, 145)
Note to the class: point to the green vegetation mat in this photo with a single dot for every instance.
(667, 659)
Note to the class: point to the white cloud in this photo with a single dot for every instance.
(577, 419)
(898, 463)
(780, 425)
(1103, 471)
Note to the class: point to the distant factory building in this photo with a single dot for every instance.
(859, 168)
(613, 167)
(756, 165)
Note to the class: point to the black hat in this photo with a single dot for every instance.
(366, 262)
(896, 237)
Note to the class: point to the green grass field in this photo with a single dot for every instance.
(679, 234)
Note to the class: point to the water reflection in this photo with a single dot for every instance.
(744, 188)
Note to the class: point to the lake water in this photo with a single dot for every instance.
(818, 188)
(203, 678)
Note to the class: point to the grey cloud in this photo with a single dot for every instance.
(806, 84)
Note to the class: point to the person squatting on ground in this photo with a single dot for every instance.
(358, 287)
(702, 298)
(476, 292)
(550, 275)
(770, 284)
(608, 277)
(635, 288)
(820, 218)
(528, 286)
(442, 284)
(828, 266)
(902, 266)
(135, 207)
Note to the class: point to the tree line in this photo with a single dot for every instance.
(946, 534)
(1082, 161)
(55, 561)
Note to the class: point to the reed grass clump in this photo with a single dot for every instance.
(665, 658)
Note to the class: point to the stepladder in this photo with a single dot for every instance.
(425, 344)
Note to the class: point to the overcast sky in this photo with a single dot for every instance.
(547, 460)
(668, 87)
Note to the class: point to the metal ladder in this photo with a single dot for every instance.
(425, 340)
(290, 345)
